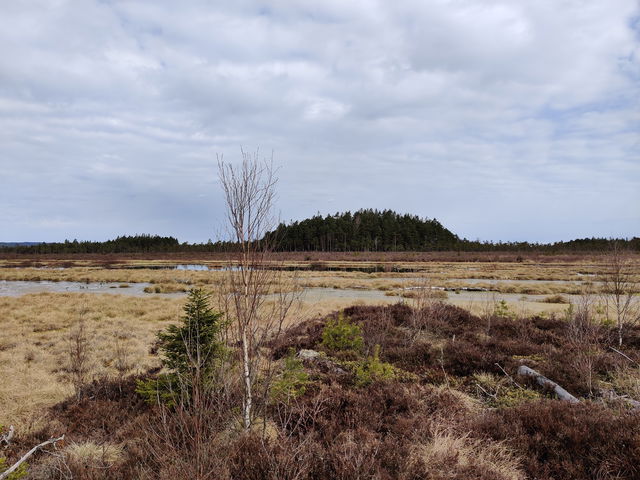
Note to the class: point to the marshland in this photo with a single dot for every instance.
(319, 240)
(427, 388)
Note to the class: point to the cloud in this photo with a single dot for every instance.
(503, 119)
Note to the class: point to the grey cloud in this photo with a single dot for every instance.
(503, 119)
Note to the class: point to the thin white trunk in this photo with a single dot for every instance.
(248, 398)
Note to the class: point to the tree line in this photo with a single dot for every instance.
(362, 231)
(123, 244)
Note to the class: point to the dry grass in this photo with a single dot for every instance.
(34, 335)
(34, 332)
(450, 455)
(90, 454)
(451, 271)
(626, 381)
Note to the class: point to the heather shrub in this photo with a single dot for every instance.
(564, 441)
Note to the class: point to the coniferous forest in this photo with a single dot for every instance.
(365, 230)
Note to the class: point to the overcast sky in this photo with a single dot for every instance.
(505, 120)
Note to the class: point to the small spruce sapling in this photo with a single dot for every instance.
(192, 353)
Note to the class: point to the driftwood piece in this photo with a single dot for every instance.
(16, 465)
(6, 438)
(613, 396)
(561, 393)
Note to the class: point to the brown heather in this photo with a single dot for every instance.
(456, 410)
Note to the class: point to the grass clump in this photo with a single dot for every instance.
(448, 455)
(501, 392)
(511, 397)
(556, 299)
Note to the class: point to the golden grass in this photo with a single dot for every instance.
(89, 454)
(34, 332)
(626, 381)
(460, 454)
(33, 338)
(441, 271)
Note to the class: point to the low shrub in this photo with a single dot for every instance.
(373, 370)
(292, 381)
(563, 441)
(340, 335)
(20, 472)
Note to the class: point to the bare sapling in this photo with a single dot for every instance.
(619, 288)
(79, 363)
(254, 296)
(121, 357)
(488, 310)
(427, 303)
(584, 337)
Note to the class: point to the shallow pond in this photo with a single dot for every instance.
(313, 294)
(19, 288)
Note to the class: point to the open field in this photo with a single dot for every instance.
(454, 382)
(35, 333)
(553, 275)
(34, 326)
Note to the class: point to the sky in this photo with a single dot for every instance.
(505, 120)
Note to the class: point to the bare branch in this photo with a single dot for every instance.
(16, 465)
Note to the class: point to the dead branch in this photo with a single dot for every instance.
(625, 356)
(16, 465)
(509, 377)
(613, 396)
(561, 393)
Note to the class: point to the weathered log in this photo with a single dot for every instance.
(15, 466)
(560, 392)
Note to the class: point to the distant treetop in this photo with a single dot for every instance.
(364, 230)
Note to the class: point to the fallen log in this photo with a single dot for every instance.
(541, 380)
